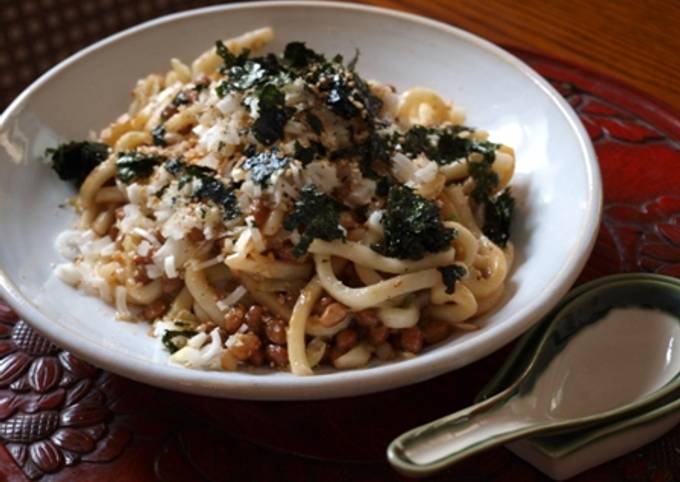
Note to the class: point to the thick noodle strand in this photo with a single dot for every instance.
(365, 256)
(369, 296)
(295, 336)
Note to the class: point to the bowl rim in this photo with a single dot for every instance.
(340, 383)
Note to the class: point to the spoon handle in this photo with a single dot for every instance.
(436, 445)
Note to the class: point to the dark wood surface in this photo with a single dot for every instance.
(63, 420)
(633, 41)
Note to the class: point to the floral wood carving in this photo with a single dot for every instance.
(638, 160)
(647, 236)
(53, 410)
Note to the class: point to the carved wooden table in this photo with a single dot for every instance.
(63, 420)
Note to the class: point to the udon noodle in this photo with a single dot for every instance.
(282, 210)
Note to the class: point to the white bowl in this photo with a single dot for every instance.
(557, 181)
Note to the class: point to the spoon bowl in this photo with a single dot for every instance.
(607, 353)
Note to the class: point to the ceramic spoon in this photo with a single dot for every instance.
(607, 354)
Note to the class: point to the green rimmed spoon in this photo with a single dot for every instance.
(594, 363)
(517, 362)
